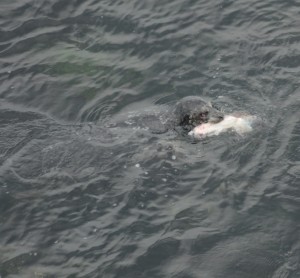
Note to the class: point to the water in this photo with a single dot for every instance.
(79, 199)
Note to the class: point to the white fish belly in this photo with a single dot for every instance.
(241, 125)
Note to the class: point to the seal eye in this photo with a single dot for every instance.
(203, 116)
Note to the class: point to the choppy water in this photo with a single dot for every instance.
(79, 199)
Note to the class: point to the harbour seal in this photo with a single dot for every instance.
(182, 117)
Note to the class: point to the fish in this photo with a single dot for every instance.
(239, 123)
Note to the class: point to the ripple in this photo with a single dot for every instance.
(79, 194)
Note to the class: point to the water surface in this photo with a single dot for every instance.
(81, 198)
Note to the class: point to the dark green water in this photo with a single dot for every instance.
(81, 199)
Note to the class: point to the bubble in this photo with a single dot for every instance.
(137, 165)
(174, 157)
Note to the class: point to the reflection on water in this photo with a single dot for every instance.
(81, 197)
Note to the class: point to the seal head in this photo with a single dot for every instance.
(193, 111)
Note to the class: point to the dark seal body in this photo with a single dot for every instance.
(184, 115)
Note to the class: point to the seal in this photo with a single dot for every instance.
(186, 114)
